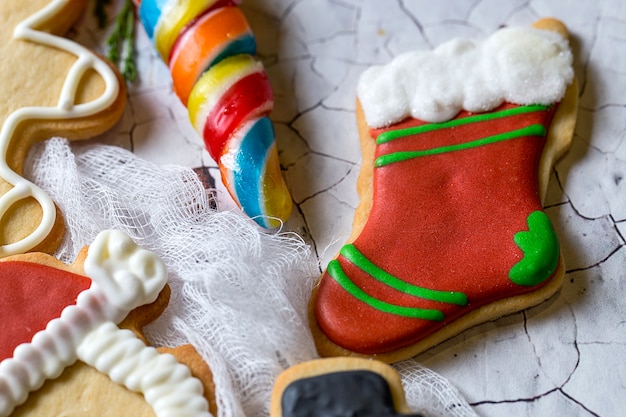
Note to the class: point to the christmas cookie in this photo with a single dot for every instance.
(339, 387)
(458, 144)
(51, 87)
(63, 352)
(210, 49)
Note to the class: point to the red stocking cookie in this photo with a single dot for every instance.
(451, 231)
(51, 87)
(54, 315)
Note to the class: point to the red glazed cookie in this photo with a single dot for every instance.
(450, 231)
(63, 350)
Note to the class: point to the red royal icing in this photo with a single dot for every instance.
(443, 222)
(32, 295)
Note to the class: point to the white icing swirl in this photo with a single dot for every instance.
(516, 65)
(65, 109)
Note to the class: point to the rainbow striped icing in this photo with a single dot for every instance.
(209, 48)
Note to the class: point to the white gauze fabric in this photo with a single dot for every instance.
(239, 295)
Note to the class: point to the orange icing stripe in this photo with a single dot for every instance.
(201, 43)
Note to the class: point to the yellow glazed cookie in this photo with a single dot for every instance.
(51, 86)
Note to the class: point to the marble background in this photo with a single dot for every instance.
(564, 358)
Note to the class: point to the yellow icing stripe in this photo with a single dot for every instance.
(176, 15)
(277, 199)
(215, 82)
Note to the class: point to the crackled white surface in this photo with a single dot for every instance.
(564, 358)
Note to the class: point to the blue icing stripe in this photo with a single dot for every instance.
(250, 163)
(243, 45)
(149, 12)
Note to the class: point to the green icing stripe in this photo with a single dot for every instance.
(334, 270)
(390, 135)
(532, 130)
(351, 253)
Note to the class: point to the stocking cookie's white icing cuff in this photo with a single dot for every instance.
(124, 278)
(434, 86)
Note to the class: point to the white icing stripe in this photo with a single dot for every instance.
(65, 109)
(124, 278)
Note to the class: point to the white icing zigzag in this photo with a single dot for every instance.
(65, 109)
(124, 277)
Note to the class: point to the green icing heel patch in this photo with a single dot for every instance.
(540, 246)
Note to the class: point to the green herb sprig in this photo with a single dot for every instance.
(121, 41)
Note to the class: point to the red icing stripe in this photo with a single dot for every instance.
(248, 98)
(32, 295)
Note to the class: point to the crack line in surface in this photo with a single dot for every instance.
(560, 388)
(331, 186)
(597, 264)
(416, 22)
(601, 107)
(615, 223)
(310, 239)
(470, 9)
(587, 62)
(535, 398)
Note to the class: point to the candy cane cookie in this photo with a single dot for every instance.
(51, 86)
(210, 50)
(451, 230)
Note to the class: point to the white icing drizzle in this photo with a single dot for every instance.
(124, 278)
(65, 109)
